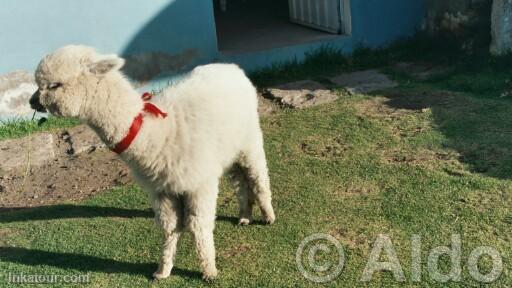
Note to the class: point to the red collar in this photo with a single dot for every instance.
(137, 123)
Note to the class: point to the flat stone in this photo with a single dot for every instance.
(420, 71)
(266, 106)
(301, 94)
(364, 81)
(84, 139)
(15, 153)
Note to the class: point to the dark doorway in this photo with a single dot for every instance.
(252, 25)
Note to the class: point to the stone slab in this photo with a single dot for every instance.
(83, 139)
(420, 71)
(301, 94)
(364, 81)
(15, 153)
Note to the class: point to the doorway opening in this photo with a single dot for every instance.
(254, 25)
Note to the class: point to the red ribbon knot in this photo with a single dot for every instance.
(134, 129)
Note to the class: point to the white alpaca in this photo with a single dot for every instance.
(212, 124)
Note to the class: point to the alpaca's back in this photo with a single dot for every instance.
(219, 85)
(216, 112)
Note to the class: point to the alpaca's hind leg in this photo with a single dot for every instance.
(169, 214)
(257, 173)
(244, 193)
(200, 217)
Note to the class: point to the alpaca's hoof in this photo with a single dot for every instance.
(244, 221)
(159, 276)
(269, 218)
(210, 276)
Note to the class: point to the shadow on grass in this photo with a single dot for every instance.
(85, 263)
(477, 128)
(8, 215)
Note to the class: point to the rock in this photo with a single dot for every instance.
(266, 106)
(420, 71)
(301, 94)
(123, 173)
(122, 178)
(83, 139)
(364, 81)
(14, 152)
(501, 28)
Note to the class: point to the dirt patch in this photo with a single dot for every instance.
(425, 158)
(324, 148)
(407, 115)
(236, 251)
(349, 238)
(5, 234)
(67, 176)
(376, 107)
(357, 187)
(397, 103)
(400, 122)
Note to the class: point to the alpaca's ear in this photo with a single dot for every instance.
(105, 64)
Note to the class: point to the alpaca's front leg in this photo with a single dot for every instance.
(167, 259)
(169, 214)
(200, 213)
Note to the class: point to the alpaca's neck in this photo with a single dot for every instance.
(112, 108)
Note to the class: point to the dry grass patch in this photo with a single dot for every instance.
(357, 187)
(5, 234)
(235, 251)
(320, 147)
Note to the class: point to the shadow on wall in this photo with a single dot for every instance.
(179, 36)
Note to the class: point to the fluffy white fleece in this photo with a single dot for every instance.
(212, 124)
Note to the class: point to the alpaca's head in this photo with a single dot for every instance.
(68, 76)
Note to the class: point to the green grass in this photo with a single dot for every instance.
(16, 128)
(335, 169)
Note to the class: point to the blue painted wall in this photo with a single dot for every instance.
(33, 28)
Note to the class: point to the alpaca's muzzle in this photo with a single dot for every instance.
(35, 104)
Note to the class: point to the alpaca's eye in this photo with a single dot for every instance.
(54, 86)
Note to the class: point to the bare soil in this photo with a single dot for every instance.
(67, 177)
